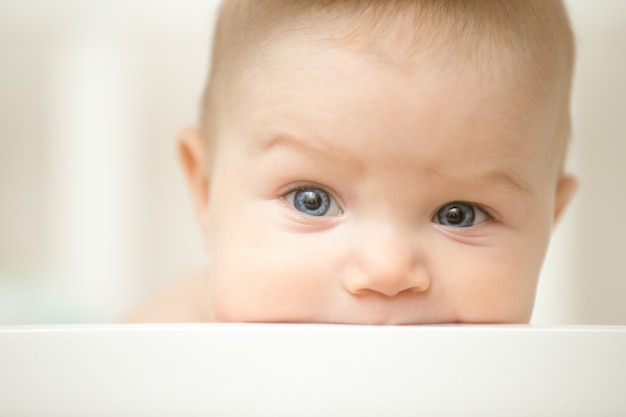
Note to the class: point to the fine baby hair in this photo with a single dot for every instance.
(377, 162)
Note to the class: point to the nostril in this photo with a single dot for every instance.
(388, 271)
(420, 286)
(386, 288)
(380, 292)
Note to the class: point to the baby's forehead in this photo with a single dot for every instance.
(529, 40)
(528, 37)
(506, 24)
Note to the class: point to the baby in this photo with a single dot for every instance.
(377, 161)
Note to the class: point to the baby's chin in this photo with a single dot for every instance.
(369, 318)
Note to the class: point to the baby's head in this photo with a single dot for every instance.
(379, 161)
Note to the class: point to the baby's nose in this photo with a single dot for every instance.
(387, 268)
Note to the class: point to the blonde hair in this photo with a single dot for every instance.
(531, 38)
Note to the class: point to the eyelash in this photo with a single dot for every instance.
(327, 198)
(484, 212)
(290, 195)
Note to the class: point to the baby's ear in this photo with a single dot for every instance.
(193, 158)
(564, 193)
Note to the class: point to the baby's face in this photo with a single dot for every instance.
(348, 189)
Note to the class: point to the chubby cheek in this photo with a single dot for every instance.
(496, 287)
(272, 281)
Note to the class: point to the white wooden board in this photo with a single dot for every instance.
(312, 370)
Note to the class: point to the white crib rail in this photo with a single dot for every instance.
(312, 370)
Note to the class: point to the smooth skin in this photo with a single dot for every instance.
(344, 187)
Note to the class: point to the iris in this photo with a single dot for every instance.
(456, 214)
(311, 201)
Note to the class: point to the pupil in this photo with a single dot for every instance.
(455, 215)
(311, 200)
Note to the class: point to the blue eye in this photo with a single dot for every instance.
(458, 214)
(313, 201)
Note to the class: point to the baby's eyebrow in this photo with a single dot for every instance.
(499, 176)
(324, 152)
(268, 143)
(510, 179)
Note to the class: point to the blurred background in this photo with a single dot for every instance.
(94, 215)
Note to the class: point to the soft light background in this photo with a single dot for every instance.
(94, 215)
